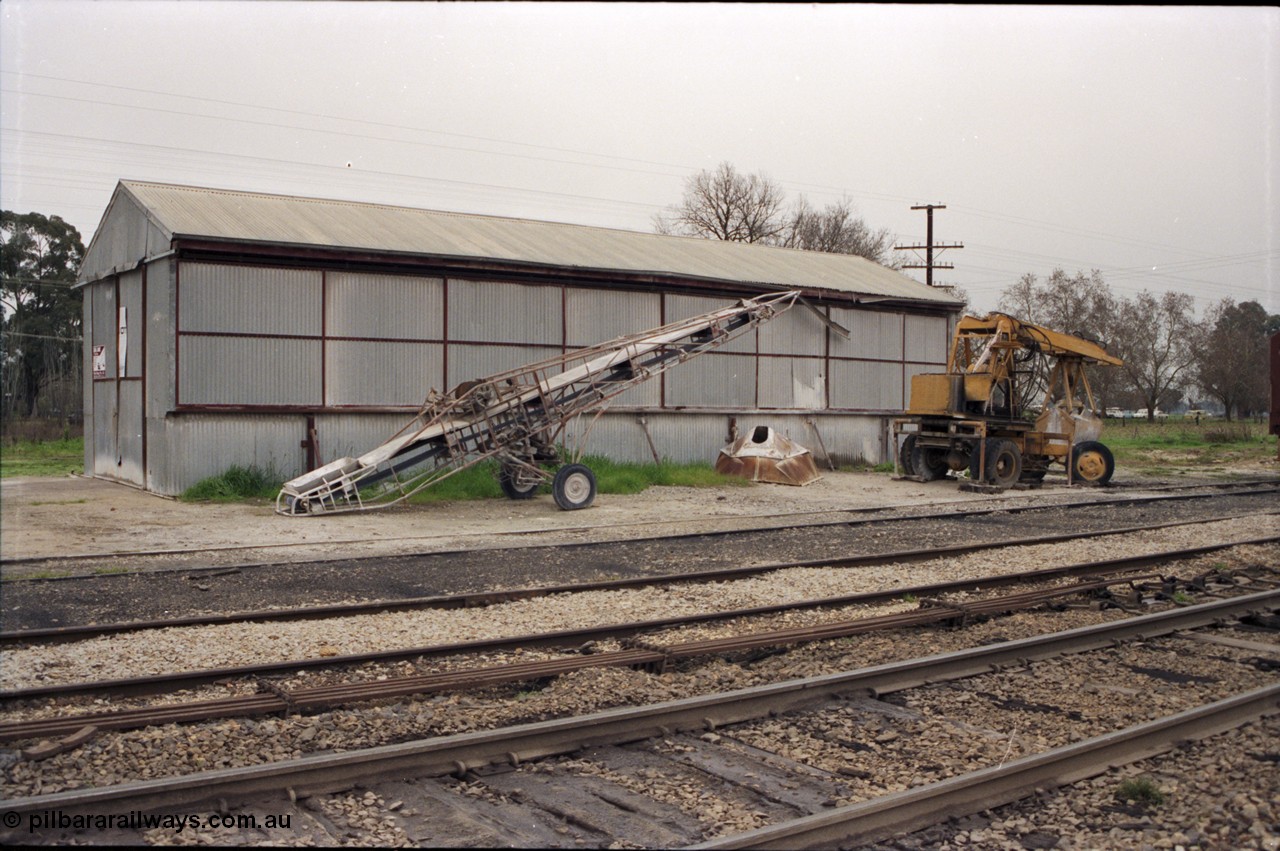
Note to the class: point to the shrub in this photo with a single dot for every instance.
(237, 483)
(1142, 791)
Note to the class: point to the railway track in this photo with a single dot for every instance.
(29, 607)
(934, 609)
(750, 772)
(798, 763)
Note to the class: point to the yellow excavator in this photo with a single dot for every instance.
(975, 416)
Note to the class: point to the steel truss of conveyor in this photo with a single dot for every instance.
(517, 417)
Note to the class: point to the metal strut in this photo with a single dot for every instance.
(516, 416)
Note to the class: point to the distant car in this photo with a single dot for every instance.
(1196, 412)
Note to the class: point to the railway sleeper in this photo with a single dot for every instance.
(328, 697)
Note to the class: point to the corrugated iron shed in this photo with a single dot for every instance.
(254, 219)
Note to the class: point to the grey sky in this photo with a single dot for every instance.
(1142, 141)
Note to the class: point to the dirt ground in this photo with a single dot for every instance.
(42, 518)
(77, 516)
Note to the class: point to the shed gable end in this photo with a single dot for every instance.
(125, 237)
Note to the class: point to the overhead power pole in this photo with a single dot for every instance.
(929, 247)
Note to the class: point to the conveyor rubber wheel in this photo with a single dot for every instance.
(574, 487)
(517, 482)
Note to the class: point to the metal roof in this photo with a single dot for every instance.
(195, 212)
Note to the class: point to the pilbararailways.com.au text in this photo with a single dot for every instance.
(137, 820)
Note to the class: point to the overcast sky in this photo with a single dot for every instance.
(1140, 141)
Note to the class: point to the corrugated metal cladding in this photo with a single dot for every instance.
(248, 371)
(872, 334)
(283, 220)
(249, 299)
(379, 374)
(700, 437)
(927, 339)
(594, 316)
(204, 445)
(511, 313)
(264, 315)
(867, 385)
(793, 383)
(125, 237)
(384, 306)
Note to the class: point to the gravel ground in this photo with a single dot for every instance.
(194, 648)
(1220, 795)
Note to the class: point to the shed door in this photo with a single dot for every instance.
(116, 333)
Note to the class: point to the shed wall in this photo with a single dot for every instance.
(240, 358)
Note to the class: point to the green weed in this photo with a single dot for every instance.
(1142, 791)
(613, 477)
(236, 484)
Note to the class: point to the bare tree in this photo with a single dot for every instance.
(725, 204)
(1082, 306)
(837, 230)
(1231, 356)
(1155, 336)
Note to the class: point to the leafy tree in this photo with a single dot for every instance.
(728, 205)
(1231, 356)
(39, 256)
(1155, 336)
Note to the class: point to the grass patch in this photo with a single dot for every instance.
(42, 457)
(1210, 447)
(612, 477)
(1142, 791)
(235, 485)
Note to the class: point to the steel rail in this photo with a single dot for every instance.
(486, 598)
(914, 809)
(656, 658)
(577, 637)
(459, 753)
(1262, 486)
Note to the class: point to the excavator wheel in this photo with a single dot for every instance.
(517, 483)
(1004, 463)
(1092, 462)
(905, 453)
(574, 487)
(929, 462)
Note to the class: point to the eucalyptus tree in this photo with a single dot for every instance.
(39, 310)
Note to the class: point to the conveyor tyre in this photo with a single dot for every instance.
(1004, 463)
(517, 483)
(574, 487)
(1092, 462)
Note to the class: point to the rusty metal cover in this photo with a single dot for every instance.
(763, 455)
